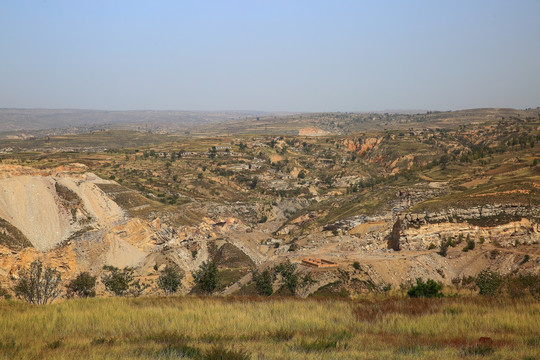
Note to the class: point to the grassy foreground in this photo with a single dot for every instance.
(242, 328)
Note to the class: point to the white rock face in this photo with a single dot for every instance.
(97, 204)
(31, 203)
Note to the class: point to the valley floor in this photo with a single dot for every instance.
(276, 328)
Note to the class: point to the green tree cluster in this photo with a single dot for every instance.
(170, 280)
(122, 282)
(207, 277)
(428, 289)
(84, 285)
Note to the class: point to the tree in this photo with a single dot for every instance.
(428, 289)
(121, 282)
(207, 277)
(84, 285)
(264, 281)
(170, 280)
(37, 284)
(444, 247)
(470, 245)
(291, 277)
(489, 283)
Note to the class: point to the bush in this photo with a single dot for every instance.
(170, 280)
(291, 277)
(121, 282)
(356, 265)
(489, 283)
(207, 277)
(523, 284)
(470, 245)
(84, 285)
(525, 259)
(428, 289)
(444, 247)
(264, 282)
(38, 284)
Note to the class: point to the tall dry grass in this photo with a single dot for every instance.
(204, 328)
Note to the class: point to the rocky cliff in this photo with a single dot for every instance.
(504, 225)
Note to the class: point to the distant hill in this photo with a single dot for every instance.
(350, 122)
(13, 120)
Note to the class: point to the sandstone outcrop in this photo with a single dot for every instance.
(501, 224)
(48, 208)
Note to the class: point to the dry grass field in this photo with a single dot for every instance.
(277, 328)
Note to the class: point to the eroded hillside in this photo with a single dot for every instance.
(385, 201)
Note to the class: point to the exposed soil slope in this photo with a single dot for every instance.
(49, 208)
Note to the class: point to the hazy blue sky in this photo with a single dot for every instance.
(269, 55)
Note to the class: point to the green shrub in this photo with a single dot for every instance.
(428, 289)
(523, 285)
(207, 277)
(291, 277)
(121, 282)
(489, 283)
(356, 265)
(444, 248)
(264, 282)
(470, 245)
(84, 285)
(169, 280)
